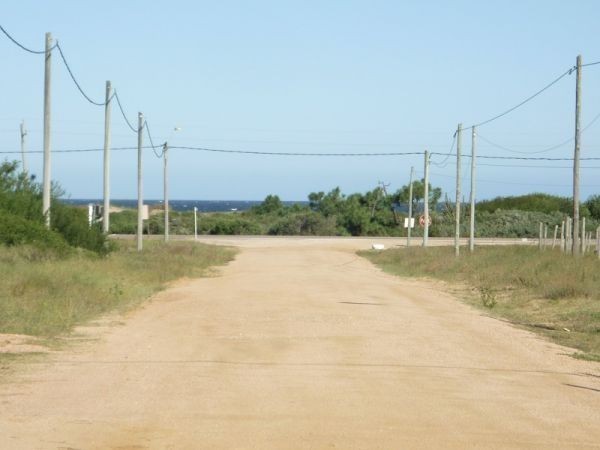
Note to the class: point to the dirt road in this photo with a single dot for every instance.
(300, 344)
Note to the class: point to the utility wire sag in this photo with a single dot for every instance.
(527, 100)
(35, 52)
(131, 127)
(62, 55)
(154, 147)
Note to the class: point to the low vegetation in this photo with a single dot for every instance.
(548, 292)
(374, 213)
(45, 292)
(54, 279)
(22, 221)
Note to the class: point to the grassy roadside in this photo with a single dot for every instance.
(552, 294)
(43, 294)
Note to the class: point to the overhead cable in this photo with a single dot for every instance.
(35, 52)
(548, 149)
(450, 152)
(131, 127)
(151, 142)
(62, 55)
(528, 99)
(250, 152)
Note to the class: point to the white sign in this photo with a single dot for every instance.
(412, 222)
(145, 212)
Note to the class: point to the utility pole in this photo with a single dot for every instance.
(472, 222)
(23, 134)
(426, 201)
(140, 220)
(576, 159)
(46, 183)
(166, 188)
(458, 163)
(410, 211)
(106, 209)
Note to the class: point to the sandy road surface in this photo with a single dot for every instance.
(302, 345)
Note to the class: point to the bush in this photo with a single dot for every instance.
(16, 230)
(235, 226)
(72, 224)
(23, 222)
(304, 224)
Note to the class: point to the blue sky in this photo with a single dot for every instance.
(305, 76)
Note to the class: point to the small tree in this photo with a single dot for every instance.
(402, 195)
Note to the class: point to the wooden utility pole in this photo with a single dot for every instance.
(46, 183)
(166, 188)
(458, 163)
(583, 243)
(410, 209)
(140, 205)
(106, 208)
(472, 217)
(569, 235)
(576, 159)
(24, 159)
(426, 200)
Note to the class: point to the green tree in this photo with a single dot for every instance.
(402, 195)
(593, 206)
(271, 204)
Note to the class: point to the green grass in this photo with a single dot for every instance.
(44, 294)
(548, 292)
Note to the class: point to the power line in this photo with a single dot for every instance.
(35, 52)
(131, 127)
(527, 100)
(154, 147)
(501, 147)
(62, 55)
(250, 152)
(548, 149)
(443, 163)
(531, 166)
(310, 154)
(590, 64)
(72, 150)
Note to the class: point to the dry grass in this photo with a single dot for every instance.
(44, 295)
(553, 294)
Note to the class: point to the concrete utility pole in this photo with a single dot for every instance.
(166, 188)
(458, 163)
(24, 159)
(106, 209)
(46, 183)
(576, 159)
(410, 209)
(426, 200)
(472, 217)
(140, 220)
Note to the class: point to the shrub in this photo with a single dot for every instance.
(16, 230)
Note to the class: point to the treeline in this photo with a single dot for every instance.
(22, 221)
(374, 213)
(542, 203)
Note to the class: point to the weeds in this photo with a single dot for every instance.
(488, 297)
(48, 296)
(518, 283)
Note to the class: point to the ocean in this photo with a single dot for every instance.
(183, 205)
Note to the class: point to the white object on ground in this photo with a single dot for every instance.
(378, 246)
